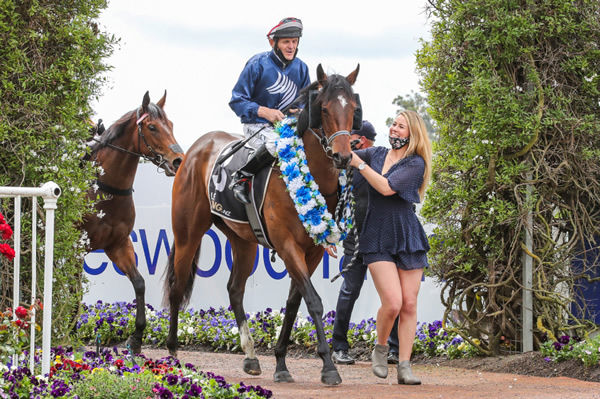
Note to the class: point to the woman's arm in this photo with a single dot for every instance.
(377, 181)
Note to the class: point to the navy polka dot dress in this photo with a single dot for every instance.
(391, 225)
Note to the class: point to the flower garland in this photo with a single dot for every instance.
(304, 190)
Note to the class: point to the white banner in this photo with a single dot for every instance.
(267, 286)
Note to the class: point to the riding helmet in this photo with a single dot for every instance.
(287, 27)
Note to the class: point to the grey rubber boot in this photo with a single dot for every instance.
(379, 359)
(405, 375)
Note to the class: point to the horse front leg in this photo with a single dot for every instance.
(124, 257)
(243, 260)
(329, 373)
(291, 310)
(301, 276)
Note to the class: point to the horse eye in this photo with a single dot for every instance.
(152, 127)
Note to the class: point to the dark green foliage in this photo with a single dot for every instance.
(51, 68)
(514, 89)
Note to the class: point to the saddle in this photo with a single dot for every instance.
(222, 201)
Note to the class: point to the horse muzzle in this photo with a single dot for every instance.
(341, 161)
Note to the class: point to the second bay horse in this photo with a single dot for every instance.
(145, 132)
(327, 148)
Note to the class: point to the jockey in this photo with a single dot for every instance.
(269, 82)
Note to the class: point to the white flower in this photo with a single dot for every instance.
(234, 331)
(190, 330)
(326, 231)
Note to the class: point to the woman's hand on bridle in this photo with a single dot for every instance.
(355, 161)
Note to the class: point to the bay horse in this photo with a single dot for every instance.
(327, 149)
(145, 132)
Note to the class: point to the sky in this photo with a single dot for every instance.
(195, 50)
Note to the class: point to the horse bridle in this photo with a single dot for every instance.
(156, 158)
(327, 141)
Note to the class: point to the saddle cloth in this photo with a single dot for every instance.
(222, 201)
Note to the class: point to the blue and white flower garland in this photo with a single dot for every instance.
(304, 190)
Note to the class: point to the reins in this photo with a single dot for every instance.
(343, 212)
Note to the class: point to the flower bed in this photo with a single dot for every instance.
(114, 374)
(112, 323)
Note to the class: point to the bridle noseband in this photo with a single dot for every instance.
(326, 141)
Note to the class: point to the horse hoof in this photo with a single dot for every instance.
(172, 351)
(283, 376)
(252, 366)
(135, 347)
(331, 377)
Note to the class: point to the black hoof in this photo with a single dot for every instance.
(283, 376)
(252, 366)
(134, 345)
(331, 377)
(172, 351)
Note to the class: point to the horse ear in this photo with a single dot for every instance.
(352, 77)
(145, 102)
(321, 76)
(161, 102)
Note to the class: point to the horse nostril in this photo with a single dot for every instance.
(337, 158)
(176, 163)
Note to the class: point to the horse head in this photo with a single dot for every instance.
(155, 136)
(331, 108)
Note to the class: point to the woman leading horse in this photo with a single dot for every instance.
(145, 132)
(327, 146)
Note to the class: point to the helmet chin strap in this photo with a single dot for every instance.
(279, 54)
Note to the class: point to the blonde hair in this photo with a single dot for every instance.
(419, 144)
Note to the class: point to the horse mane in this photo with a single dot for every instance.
(117, 129)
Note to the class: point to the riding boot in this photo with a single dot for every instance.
(379, 360)
(241, 178)
(405, 375)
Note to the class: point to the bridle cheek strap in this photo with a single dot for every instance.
(327, 141)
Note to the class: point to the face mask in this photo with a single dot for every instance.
(397, 142)
(354, 144)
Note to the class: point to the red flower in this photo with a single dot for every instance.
(6, 231)
(119, 363)
(7, 251)
(2, 221)
(21, 312)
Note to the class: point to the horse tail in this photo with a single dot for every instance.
(170, 279)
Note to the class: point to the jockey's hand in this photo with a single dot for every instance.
(270, 114)
(332, 251)
(293, 111)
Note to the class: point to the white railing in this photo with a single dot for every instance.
(50, 193)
